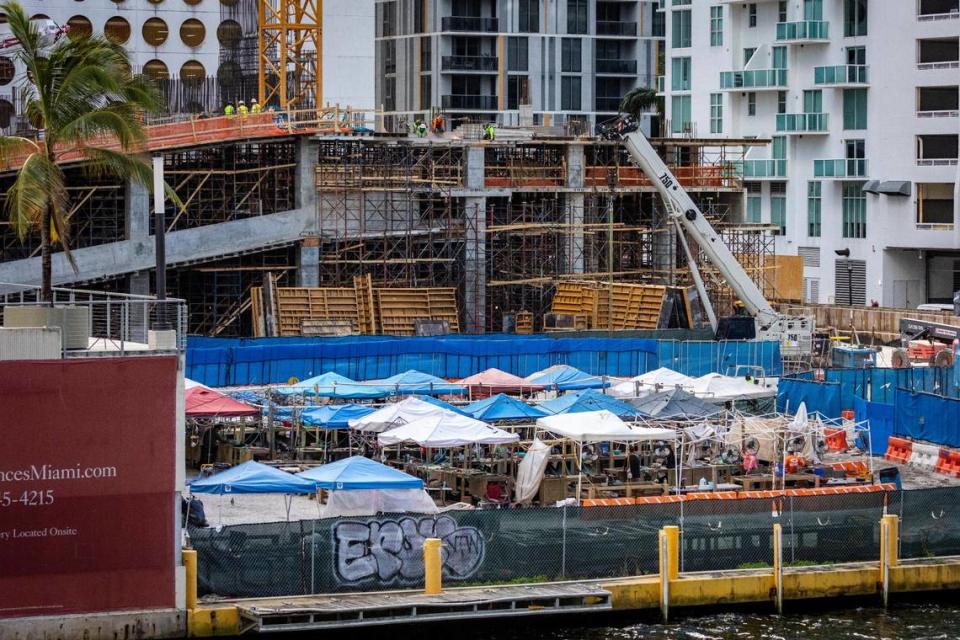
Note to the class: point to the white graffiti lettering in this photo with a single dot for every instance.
(391, 551)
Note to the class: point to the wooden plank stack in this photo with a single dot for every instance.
(600, 306)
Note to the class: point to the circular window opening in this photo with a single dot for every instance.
(39, 16)
(117, 30)
(228, 75)
(7, 70)
(192, 72)
(192, 32)
(228, 3)
(155, 32)
(192, 3)
(6, 113)
(80, 27)
(3, 18)
(156, 70)
(155, 1)
(229, 33)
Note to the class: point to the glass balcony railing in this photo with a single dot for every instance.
(627, 67)
(841, 74)
(801, 31)
(840, 168)
(469, 63)
(754, 79)
(469, 23)
(802, 122)
(764, 168)
(616, 28)
(481, 103)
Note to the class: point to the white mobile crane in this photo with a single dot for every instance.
(795, 333)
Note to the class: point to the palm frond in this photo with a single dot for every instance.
(39, 185)
(126, 166)
(12, 145)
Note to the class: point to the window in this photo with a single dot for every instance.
(781, 101)
(192, 72)
(751, 104)
(577, 16)
(680, 116)
(156, 70)
(752, 15)
(517, 93)
(570, 93)
(857, 55)
(854, 210)
(933, 99)
(747, 54)
(80, 27)
(517, 54)
(117, 30)
(935, 205)
(155, 32)
(570, 55)
(192, 32)
(814, 208)
(529, 16)
(426, 53)
(854, 108)
(716, 26)
(716, 113)
(813, 101)
(425, 101)
(813, 9)
(778, 206)
(779, 57)
(854, 149)
(854, 18)
(681, 30)
(778, 147)
(782, 11)
(680, 74)
(754, 204)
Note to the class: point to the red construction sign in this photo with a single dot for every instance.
(87, 502)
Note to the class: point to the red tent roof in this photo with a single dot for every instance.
(204, 402)
(493, 381)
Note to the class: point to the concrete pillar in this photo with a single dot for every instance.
(473, 167)
(307, 154)
(138, 283)
(308, 263)
(475, 265)
(136, 205)
(574, 211)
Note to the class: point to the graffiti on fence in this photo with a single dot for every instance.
(391, 551)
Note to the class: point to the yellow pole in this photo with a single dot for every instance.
(673, 551)
(893, 539)
(431, 566)
(190, 567)
(778, 563)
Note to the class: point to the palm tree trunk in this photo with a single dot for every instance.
(46, 259)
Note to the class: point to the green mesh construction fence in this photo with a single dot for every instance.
(555, 543)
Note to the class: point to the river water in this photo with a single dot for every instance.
(914, 621)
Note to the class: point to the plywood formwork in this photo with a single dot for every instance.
(630, 307)
(399, 309)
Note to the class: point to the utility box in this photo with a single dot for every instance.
(30, 343)
(849, 357)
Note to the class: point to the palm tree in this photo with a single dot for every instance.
(81, 94)
(637, 101)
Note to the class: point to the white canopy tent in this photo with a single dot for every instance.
(715, 387)
(443, 431)
(398, 413)
(651, 381)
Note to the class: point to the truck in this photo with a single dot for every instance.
(759, 320)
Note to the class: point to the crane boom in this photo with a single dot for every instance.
(794, 332)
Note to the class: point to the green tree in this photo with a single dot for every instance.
(79, 92)
(637, 101)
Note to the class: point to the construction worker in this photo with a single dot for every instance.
(228, 110)
(489, 132)
(437, 125)
(420, 129)
(242, 108)
(255, 106)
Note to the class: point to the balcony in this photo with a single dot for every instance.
(764, 168)
(802, 122)
(840, 168)
(470, 23)
(938, 10)
(607, 104)
(619, 67)
(616, 28)
(475, 103)
(753, 79)
(469, 63)
(840, 75)
(805, 32)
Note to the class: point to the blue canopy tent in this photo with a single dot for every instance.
(356, 473)
(590, 400)
(251, 477)
(417, 382)
(334, 416)
(503, 407)
(566, 378)
(332, 385)
(443, 405)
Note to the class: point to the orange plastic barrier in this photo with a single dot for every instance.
(836, 439)
(852, 467)
(948, 463)
(898, 450)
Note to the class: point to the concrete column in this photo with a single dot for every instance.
(473, 167)
(475, 265)
(307, 153)
(138, 283)
(136, 206)
(308, 263)
(574, 212)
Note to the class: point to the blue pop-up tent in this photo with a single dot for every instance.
(358, 473)
(503, 407)
(566, 378)
(589, 400)
(334, 385)
(417, 382)
(252, 477)
(443, 405)
(334, 416)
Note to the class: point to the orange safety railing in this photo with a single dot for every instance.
(716, 176)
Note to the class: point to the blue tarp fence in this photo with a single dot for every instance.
(925, 416)
(881, 417)
(219, 362)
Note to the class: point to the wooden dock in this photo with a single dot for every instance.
(305, 613)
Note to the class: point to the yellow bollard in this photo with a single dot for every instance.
(893, 539)
(432, 566)
(190, 566)
(673, 551)
(778, 564)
